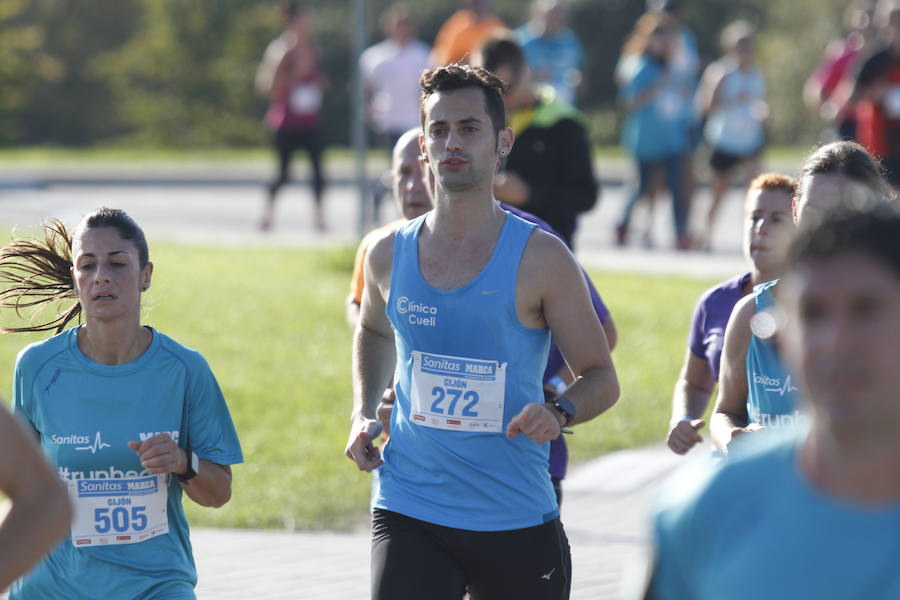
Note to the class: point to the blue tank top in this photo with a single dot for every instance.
(772, 396)
(465, 367)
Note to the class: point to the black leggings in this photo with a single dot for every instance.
(413, 559)
(286, 142)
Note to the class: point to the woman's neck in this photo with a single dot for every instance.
(113, 342)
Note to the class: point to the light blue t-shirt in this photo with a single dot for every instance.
(772, 398)
(465, 367)
(85, 413)
(556, 59)
(755, 527)
(655, 131)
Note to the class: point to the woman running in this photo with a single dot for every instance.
(756, 389)
(129, 417)
(768, 229)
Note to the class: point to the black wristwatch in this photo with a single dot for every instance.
(565, 408)
(193, 463)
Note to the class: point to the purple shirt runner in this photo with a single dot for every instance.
(559, 453)
(710, 317)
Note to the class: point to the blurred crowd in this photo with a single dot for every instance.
(686, 121)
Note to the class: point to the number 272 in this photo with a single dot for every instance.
(440, 394)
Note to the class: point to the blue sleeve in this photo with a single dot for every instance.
(670, 580)
(211, 433)
(22, 401)
(644, 76)
(682, 544)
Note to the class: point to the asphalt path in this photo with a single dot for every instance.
(204, 210)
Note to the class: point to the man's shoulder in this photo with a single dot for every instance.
(380, 249)
(706, 490)
(545, 252)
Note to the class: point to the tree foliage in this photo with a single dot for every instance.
(176, 73)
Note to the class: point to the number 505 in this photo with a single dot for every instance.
(118, 519)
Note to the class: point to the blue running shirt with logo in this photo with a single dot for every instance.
(772, 393)
(465, 367)
(130, 537)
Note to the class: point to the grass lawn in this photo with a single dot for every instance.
(270, 321)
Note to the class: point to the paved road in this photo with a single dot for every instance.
(605, 499)
(604, 512)
(227, 213)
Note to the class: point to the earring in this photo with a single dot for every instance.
(502, 151)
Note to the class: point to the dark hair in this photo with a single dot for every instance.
(454, 77)
(847, 159)
(34, 272)
(501, 51)
(871, 227)
(291, 8)
(125, 226)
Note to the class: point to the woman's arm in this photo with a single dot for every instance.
(689, 401)
(211, 486)
(730, 417)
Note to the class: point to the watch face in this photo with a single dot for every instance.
(566, 407)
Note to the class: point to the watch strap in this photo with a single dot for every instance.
(193, 467)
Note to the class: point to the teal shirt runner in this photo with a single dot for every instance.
(466, 366)
(130, 538)
(772, 394)
(755, 527)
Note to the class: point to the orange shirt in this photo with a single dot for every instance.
(358, 281)
(461, 34)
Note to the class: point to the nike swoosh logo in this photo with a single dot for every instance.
(547, 575)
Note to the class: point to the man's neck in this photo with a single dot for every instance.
(860, 469)
(465, 216)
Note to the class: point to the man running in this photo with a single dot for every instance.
(463, 498)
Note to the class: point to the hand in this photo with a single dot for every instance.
(537, 421)
(160, 454)
(751, 428)
(683, 435)
(359, 446)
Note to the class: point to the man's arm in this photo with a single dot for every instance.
(357, 283)
(40, 510)
(551, 292)
(374, 355)
(730, 416)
